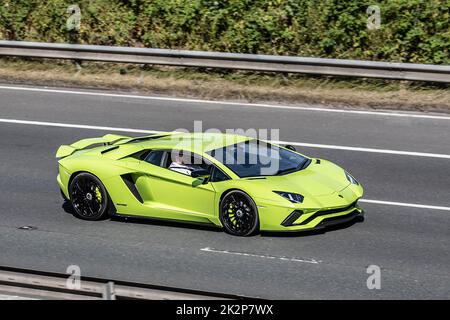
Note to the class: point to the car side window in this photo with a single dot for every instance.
(185, 162)
(155, 157)
(218, 175)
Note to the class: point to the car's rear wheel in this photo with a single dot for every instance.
(88, 197)
(238, 213)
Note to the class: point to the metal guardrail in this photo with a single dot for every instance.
(46, 285)
(316, 66)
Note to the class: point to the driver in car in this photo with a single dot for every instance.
(179, 164)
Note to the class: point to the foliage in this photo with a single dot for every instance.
(411, 30)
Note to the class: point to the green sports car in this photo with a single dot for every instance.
(239, 183)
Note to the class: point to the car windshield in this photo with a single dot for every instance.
(257, 158)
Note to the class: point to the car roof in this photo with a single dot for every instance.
(197, 142)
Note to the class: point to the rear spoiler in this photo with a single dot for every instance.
(66, 150)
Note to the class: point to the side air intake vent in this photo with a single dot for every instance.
(291, 218)
(128, 180)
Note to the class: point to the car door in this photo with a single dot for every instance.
(179, 195)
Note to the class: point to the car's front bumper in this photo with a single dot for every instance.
(327, 223)
(298, 220)
(315, 213)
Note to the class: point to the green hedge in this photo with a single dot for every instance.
(411, 30)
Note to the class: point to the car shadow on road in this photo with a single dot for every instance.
(67, 207)
(166, 223)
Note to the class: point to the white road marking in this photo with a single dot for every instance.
(10, 297)
(313, 261)
(372, 150)
(230, 103)
(302, 144)
(75, 126)
(402, 204)
(79, 126)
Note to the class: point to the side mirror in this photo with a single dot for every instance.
(290, 147)
(200, 173)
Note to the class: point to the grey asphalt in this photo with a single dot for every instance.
(410, 245)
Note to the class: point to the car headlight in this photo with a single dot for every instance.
(292, 197)
(351, 178)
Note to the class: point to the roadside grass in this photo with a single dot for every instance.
(230, 85)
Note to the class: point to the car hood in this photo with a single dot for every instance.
(318, 179)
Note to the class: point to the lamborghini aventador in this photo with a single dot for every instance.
(239, 183)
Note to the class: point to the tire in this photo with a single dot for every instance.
(239, 214)
(88, 197)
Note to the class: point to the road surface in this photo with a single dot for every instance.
(402, 159)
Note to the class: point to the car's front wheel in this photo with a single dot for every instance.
(239, 214)
(88, 197)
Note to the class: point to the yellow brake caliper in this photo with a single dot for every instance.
(230, 211)
(98, 194)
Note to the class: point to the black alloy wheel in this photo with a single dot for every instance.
(238, 214)
(88, 197)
